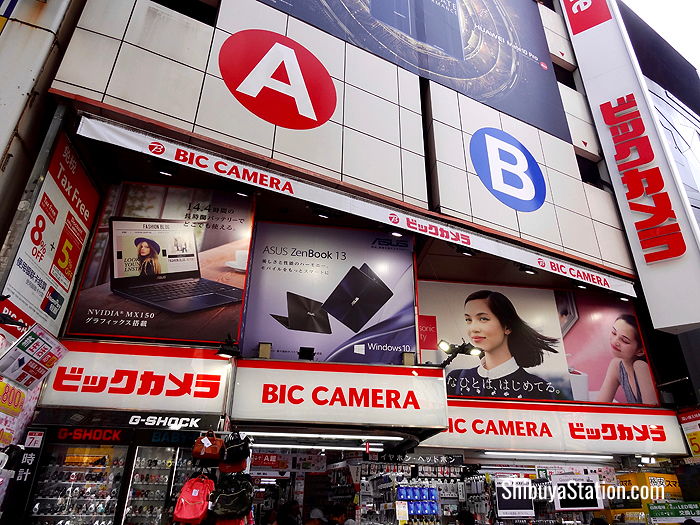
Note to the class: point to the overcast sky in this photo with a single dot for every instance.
(676, 21)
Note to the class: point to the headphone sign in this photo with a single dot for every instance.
(508, 169)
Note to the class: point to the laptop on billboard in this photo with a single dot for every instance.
(155, 262)
(305, 315)
(358, 296)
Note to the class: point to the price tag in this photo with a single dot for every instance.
(402, 510)
(206, 442)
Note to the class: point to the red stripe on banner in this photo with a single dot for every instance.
(135, 349)
(347, 369)
(585, 14)
(554, 407)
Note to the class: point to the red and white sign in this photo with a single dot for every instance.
(585, 14)
(521, 426)
(179, 153)
(663, 233)
(339, 393)
(277, 79)
(121, 376)
(43, 272)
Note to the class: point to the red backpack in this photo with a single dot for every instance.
(193, 501)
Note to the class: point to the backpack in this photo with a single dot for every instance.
(236, 448)
(193, 501)
(233, 497)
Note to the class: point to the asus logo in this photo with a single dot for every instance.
(160, 277)
(394, 243)
(311, 314)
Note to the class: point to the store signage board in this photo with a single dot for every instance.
(156, 146)
(11, 398)
(690, 422)
(509, 500)
(674, 512)
(664, 237)
(42, 275)
(583, 429)
(124, 381)
(341, 394)
(31, 357)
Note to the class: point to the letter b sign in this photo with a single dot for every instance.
(507, 169)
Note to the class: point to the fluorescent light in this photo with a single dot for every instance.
(323, 216)
(583, 287)
(323, 436)
(545, 455)
(625, 299)
(313, 447)
(241, 194)
(165, 173)
(397, 234)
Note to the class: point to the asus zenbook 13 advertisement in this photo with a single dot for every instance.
(346, 294)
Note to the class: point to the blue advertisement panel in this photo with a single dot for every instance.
(493, 51)
(347, 294)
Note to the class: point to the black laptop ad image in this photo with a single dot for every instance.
(305, 315)
(358, 296)
(154, 262)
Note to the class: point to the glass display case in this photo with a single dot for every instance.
(79, 485)
(156, 480)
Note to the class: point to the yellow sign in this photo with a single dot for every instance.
(693, 442)
(2, 22)
(11, 398)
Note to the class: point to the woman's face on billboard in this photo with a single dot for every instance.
(483, 328)
(623, 340)
(144, 249)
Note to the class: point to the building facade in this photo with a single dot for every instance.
(434, 235)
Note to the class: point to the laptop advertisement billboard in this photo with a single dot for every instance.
(345, 295)
(168, 263)
(493, 51)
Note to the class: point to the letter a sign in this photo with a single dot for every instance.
(277, 79)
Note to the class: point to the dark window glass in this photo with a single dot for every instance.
(203, 10)
(590, 174)
(564, 76)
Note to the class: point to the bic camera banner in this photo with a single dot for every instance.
(348, 294)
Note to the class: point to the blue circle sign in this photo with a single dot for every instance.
(508, 169)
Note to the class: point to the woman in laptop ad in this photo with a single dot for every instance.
(515, 336)
(148, 251)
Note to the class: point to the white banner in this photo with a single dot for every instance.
(522, 426)
(663, 235)
(139, 380)
(154, 146)
(309, 392)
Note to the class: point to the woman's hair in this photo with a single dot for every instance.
(632, 321)
(151, 257)
(526, 344)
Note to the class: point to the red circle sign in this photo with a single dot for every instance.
(277, 79)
